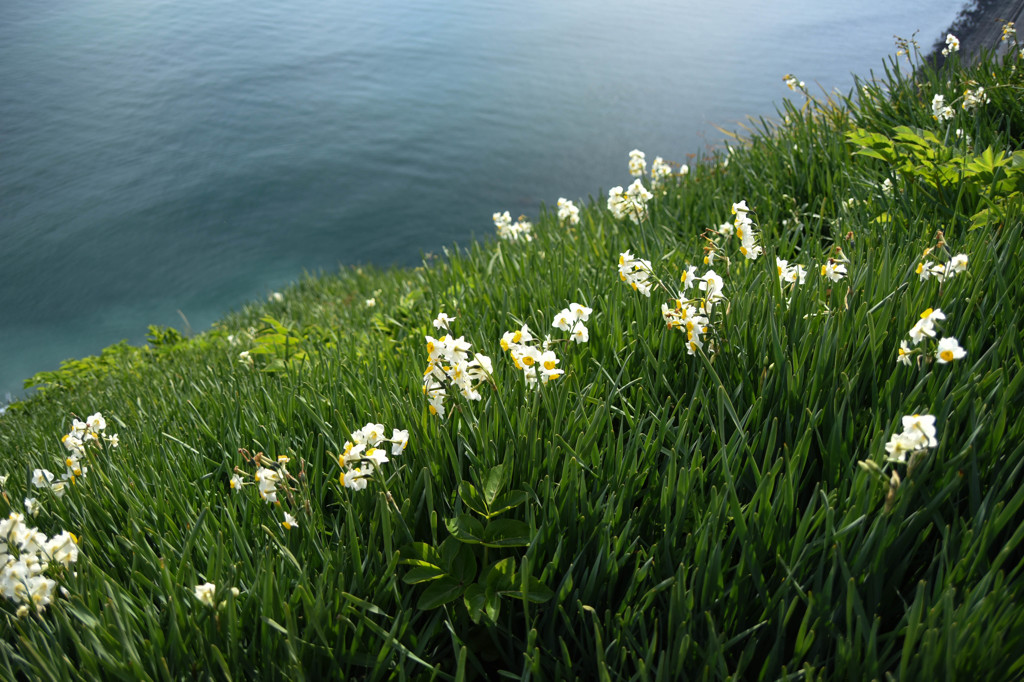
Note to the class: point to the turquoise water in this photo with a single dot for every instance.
(158, 157)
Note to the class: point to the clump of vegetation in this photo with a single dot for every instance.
(753, 416)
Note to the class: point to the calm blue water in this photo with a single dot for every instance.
(159, 156)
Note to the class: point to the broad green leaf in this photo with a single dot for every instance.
(536, 591)
(475, 599)
(465, 528)
(471, 498)
(507, 533)
(440, 592)
(463, 568)
(507, 500)
(422, 574)
(494, 483)
(502, 576)
(419, 554)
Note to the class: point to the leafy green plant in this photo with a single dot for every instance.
(283, 346)
(978, 186)
(451, 569)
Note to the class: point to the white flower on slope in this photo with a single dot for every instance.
(949, 350)
(637, 163)
(952, 45)
(918, 434)
(712, 284)
(399, 441)
(442, 321)
(833, 270)
(631, 203)
(568, 212)
(41, 478)
(635, 272)
(205, 593)
(660, 172)
(926, 325)
(940, 110)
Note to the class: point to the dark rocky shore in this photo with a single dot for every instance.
(980, 26)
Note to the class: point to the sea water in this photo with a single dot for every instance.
(163, 161)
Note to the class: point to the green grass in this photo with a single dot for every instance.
(650, 515)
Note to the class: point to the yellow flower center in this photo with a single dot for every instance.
(549, 365)
(926, 313)
(946, 355)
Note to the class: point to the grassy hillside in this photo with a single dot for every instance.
(720, 464)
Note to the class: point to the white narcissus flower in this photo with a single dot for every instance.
(41, 478)
(903, 354)
(796, 274)
(563, 320)
(660, 172)
(435, 405)
(442, 321)
(958, 263)
(926, 325)
(712, 284)
(580, 333)
(96, 422)
(355, 479)
(630, 203)
(952, 45)
(377, 456)
(923, 424)
(568, 212)
(236, 483)
(31, 506)
(289, 522)
(525, 356)
(949, 350)
(637, 163)
(267, 480)
(205, 593)
(62, 549)
(689, 278)
(940, 110)
(399, 441)
(635, 272)
(371, 434)
(833, 271)
(974, 98)
(580, 312)
(371, 302)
